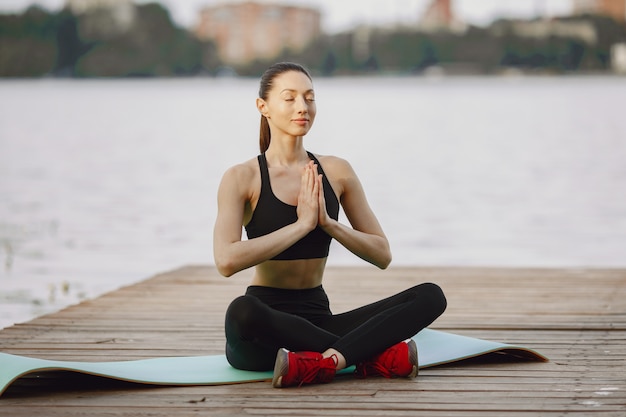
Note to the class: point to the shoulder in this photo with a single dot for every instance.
(339, 172)
(334, 165)
(241, 178)
(244, 171)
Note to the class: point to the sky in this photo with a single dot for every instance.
(338, 15)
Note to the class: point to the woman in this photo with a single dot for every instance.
(288, 200)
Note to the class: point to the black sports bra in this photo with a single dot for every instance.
(271, 214)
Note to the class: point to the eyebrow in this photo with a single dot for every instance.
(295, 91)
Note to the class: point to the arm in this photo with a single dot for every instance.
(366, 238)
(230, 252)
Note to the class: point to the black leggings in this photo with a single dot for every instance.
(267, 319)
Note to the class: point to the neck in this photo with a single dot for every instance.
(287, 151)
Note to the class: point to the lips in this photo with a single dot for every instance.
(301, 121)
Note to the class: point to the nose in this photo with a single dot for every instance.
(301, 105)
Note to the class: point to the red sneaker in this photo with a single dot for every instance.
(400, 360)
(298, 368)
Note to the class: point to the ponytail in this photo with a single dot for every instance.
(265, 135)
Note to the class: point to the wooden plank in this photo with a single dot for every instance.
(575, 316)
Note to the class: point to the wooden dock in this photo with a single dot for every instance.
(576, 317)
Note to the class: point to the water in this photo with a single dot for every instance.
(106, 182)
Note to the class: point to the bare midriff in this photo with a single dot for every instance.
(293, 274)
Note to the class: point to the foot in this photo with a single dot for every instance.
(400, 360)
(298, 368)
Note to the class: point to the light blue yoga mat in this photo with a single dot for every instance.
(434, 348)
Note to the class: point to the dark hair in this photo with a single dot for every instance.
(267, 80)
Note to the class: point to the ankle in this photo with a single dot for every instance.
(338, 358)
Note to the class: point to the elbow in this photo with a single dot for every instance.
(385, 261)
(382, 259)
(225, 270)
(385, 258)
(225, 266)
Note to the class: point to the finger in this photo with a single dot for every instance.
(321, 201)
(307, 192)
(304, 182)
(320, 187)
(316, 188)
(310, 179)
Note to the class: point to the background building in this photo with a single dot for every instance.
(247, 31)
(438, 16)
(614, 8)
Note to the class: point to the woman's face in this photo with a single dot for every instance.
(290, 105)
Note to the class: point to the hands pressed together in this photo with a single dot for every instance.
(311, 202)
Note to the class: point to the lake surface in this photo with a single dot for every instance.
(106, 182)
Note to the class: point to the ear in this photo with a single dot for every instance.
(261, 105)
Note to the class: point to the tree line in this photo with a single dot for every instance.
(39, 43)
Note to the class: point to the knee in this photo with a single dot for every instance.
(434, 296)
(243, 312)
